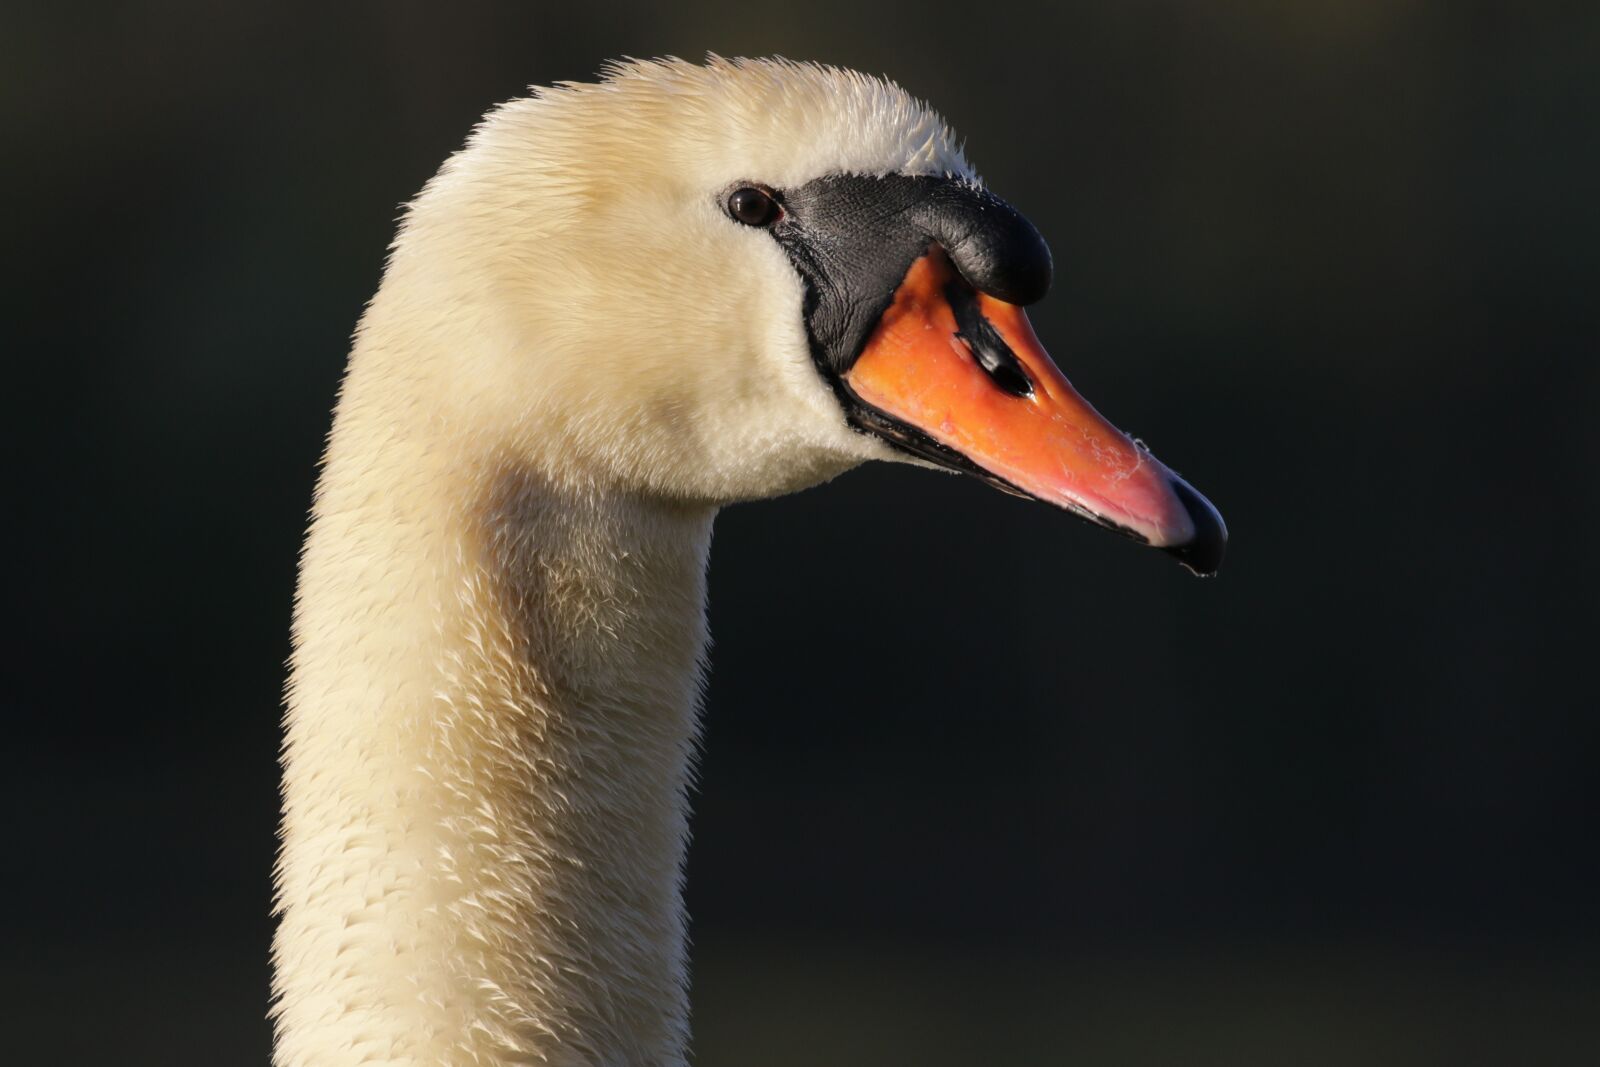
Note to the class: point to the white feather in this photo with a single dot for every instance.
(573, 359)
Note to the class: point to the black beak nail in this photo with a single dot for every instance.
(1203, 553)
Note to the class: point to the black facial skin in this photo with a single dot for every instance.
(853, 238)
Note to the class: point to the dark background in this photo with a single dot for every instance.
(981, 784)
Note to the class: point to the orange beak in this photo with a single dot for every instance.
(965, 369)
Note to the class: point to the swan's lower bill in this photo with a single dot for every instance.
(964, 370)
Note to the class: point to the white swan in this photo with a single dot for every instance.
(620, 306)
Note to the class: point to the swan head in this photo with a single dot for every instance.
(729, 281)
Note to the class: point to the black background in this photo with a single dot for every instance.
(981, 784)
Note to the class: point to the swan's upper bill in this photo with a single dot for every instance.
(913, 313)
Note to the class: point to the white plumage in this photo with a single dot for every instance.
(573, 359)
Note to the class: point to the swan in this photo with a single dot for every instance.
(619, 306)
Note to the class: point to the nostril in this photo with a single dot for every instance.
(1002, 367)
(988, 348)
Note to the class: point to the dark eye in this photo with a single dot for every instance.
(752, 206)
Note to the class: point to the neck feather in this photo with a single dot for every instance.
(490, 720)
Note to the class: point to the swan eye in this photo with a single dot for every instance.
(752, 206)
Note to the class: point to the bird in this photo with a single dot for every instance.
(620, 306)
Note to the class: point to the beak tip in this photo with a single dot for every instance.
(1201, 554)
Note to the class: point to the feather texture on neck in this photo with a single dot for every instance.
(485, 818)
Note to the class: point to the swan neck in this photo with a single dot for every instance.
(490, 719)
